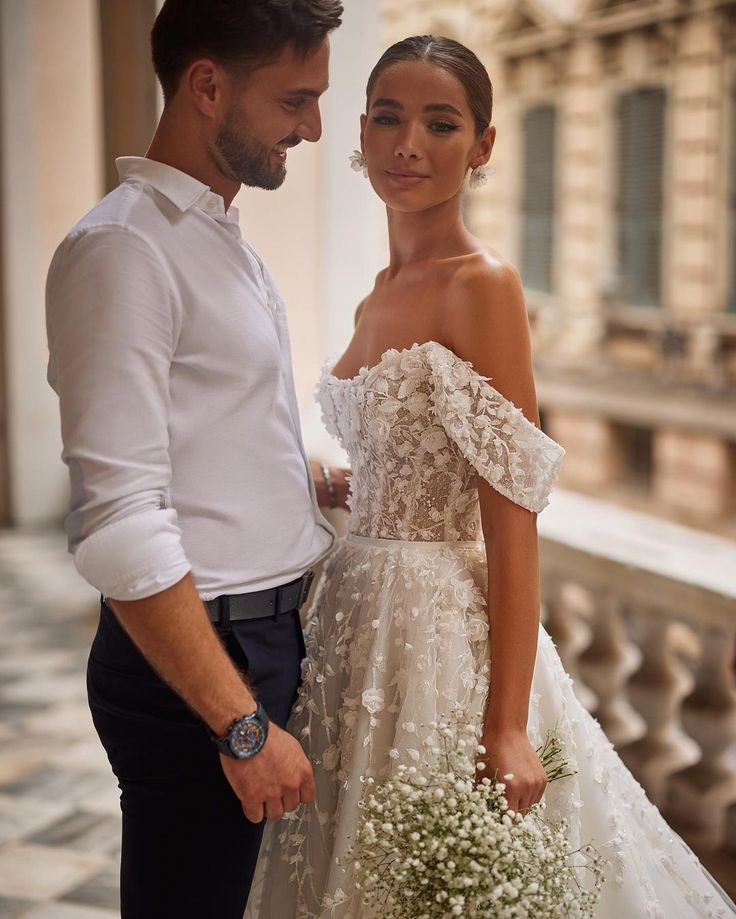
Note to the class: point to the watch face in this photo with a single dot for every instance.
(246, 738)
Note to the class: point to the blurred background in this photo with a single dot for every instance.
(615, 194)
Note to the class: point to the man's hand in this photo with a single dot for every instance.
(273, 782)
(174, 634)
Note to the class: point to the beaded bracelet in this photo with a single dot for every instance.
(329, 486)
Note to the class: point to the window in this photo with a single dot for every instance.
(640, 192)
(538, 200)
(635, 446)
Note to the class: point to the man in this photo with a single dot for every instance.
(192, 501)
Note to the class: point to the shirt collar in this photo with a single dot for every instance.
(183, 190)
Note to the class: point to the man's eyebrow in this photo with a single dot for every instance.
(310, 93)
(432, 107)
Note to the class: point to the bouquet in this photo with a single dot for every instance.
(437, 843)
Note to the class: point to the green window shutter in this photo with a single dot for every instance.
(539, 194)
(640, 186)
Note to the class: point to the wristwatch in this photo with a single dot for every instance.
(245, 736)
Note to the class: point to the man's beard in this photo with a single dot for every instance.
(249, 161)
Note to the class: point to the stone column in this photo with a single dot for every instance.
(128, 81)
(698, 120)
(51, 174)
(582, 205)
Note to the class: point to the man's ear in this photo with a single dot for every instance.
(205, 83)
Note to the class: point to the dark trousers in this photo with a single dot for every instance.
(188, 851)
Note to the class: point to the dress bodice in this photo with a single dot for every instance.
(419, 427)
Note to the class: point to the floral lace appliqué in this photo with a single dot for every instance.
(419, 427)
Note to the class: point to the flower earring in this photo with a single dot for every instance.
(480, 175)
(358, 162)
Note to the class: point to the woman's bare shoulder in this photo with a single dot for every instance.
(485, 298)
(485, 323)
(481, 279)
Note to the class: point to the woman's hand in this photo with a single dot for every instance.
(341, 486)
(336, 493)
(511, 753)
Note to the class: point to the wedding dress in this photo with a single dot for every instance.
(398, 636)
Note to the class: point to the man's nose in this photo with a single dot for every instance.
(311, 128)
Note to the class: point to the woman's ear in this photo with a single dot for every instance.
(485, 147)
(363, 122)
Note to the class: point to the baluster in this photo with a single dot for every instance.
(700, 796)
(657, 690)
(569, 610)
(606, 666)
(728, 849)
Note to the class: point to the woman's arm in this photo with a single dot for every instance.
(487, 325)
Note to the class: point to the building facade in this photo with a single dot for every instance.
(614, 194)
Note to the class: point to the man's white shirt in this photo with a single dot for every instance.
(169, 350)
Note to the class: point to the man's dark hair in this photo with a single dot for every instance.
(241, 34)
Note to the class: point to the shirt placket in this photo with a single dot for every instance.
(267, 295)
(278, 315)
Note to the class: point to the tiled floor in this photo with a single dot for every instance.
(59, 812)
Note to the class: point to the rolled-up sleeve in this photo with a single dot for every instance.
(113, 320)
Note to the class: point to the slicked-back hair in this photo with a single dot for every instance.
(451, 56)
(241, 34)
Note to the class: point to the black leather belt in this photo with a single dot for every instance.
(261, 603)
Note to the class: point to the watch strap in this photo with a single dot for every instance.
(223, 743)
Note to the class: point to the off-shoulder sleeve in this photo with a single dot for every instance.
(503, 446)
(325, 398)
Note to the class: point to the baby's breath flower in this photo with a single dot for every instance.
(471, 855)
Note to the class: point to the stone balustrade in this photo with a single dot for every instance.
(643, 613)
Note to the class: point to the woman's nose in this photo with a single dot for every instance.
(408, 145)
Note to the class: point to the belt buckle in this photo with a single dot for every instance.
(306, 585)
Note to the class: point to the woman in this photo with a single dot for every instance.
(449, 473)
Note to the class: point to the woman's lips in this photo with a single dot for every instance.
(406, 179)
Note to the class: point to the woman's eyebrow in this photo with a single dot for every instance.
(443, 107)
(432, 107)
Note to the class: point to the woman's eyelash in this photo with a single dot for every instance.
(441, 127)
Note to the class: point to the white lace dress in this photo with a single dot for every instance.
(398, 635)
